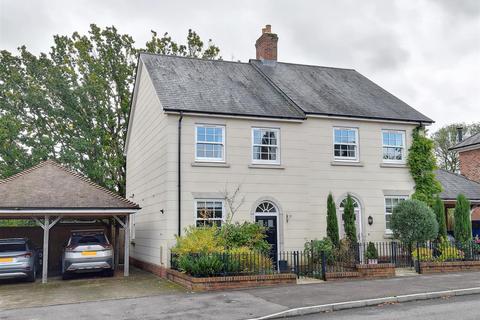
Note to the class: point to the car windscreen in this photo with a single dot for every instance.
(12, 247)
(88, 239)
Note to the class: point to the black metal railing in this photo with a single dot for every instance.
(446, 251)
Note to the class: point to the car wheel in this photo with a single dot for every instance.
(32, 276)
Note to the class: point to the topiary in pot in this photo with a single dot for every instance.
(372, 254)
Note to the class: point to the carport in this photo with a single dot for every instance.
(49, 193)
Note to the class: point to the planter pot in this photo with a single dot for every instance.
(372, 261)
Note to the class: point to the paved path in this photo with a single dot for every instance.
(460, 308)
(244, 304)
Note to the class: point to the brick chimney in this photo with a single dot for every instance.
(266, 45)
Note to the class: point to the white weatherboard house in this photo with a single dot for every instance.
(287, 134)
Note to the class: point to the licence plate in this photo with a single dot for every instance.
(6, 260)
(89, 253)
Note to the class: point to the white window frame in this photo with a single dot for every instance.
(356, 144)
(404, 153)
(277, 133)
(195, 205)
(389, 231)
(222, 143)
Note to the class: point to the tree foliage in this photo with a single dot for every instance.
(72, 104)
(463, 223)
(445, 138)
(332, 222)
(349, 220)
(422, 163)
(413, 221)
(439, 209)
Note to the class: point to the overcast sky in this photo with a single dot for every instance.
(425, 52)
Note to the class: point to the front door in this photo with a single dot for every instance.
(270, 223)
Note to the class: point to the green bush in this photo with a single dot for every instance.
(449, 252)
(198, 240)
(463, 223)
(439, 209)
(247, 234)
(200, 265)
(332, 222)
(245, 260)
(349, 220)
(345, 253)
(372, 253)
(413, 221)
(315, 247)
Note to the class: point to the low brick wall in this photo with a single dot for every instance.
(454, 266)
(380, 270)
(342, 275)
(150, 267)
(230, 282)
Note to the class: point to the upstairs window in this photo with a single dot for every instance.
(393, 143)
(209, 213)
(210, 143)
(265, 146)
(345, 144)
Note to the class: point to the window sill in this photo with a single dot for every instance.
(388, 235)
(211, 164)
(393, 165)
(347, 163)
(266, 166)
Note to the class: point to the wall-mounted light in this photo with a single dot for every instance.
(161, 211)
(288, 216)
(370, 220)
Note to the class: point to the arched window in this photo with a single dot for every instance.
(266, 207)
(356, 206)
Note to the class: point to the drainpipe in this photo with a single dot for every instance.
(179, 186)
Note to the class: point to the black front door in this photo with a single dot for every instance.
(270, 223)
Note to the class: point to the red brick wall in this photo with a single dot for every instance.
(454, 266)
(470, 164)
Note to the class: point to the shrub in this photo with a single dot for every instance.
(425, 254)
(200, 265)
(422, 163)
(345, 253)
(349, 220)
(198, 240)
(315, 247)
(245, 260)
(413, 221)
(463, 223)
(372, 253)
(332, 222)
(449, 252)
(439, 210)
(247, 234)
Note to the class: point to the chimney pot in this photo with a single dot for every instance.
(266, 45)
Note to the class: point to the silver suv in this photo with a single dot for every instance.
(87, 251)
(18, 259)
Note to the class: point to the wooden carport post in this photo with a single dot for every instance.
(126, 258)
(46, 226)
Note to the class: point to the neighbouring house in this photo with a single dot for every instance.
(287, 134)
(467, 182)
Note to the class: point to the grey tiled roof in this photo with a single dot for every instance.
(212, 86)
(338, 92)
(49, 185)
(272, 89)
(454, 184)
(468, 142)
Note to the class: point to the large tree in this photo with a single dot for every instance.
(72, 104)
(445, 138)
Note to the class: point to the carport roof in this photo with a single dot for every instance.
(49, 185)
